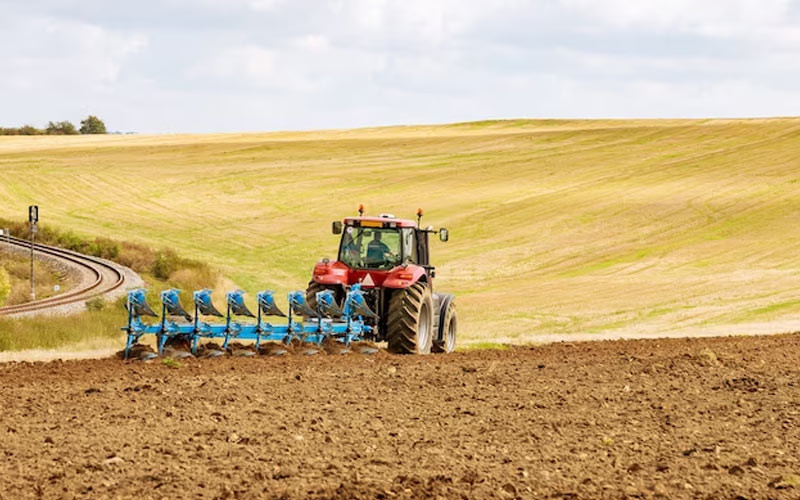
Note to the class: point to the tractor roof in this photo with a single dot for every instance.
(383, 221)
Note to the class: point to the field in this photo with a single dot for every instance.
(699, 418)
(557, 227)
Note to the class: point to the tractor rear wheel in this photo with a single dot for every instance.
(409, 326)
(448, 325)
(314, 287)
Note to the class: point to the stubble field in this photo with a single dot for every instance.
(558, 227)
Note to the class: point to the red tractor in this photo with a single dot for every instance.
(389, 257)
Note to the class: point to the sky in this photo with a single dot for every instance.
(258, 65)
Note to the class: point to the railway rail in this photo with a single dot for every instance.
(104, 278)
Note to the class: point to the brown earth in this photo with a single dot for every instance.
(701, 418)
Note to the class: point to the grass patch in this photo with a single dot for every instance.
(790, 305)
(171, 363)
(5, 285)
(16, 272)
(53, 332)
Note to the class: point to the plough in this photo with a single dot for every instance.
(316, 325)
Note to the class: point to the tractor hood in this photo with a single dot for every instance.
(336, 273)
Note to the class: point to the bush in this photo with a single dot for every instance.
(61, 128)
(5, 286)
(93, 125)
(30, 130)
(138, 257)
(105, 248)
(166, 263)
(96, 304)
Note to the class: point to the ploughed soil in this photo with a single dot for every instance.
(699, 418)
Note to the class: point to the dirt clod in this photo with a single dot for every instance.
(707, 357)
(114, 460)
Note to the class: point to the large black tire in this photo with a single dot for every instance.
(448, 326)
(409, 326)
(314, 287)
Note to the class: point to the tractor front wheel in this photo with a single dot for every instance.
(409, 326)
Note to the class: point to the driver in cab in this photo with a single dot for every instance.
(378, 251)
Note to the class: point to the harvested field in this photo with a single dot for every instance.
(557, 226)
(686, 418)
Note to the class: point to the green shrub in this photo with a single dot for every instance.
(5, 286)
(166, 263)
(138, 257)
(61, 128)
(96, 304)
(104, 248)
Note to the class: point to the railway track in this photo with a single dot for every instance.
(102, 278)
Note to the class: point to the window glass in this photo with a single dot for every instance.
(409, 245)
(370, 248)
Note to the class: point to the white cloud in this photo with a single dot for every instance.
(67, 53)
(315, 42)
(687, 15)
(267, 64)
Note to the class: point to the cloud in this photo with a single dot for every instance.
(66, 53)
(182, 65)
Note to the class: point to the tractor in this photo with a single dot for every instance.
(389, 258)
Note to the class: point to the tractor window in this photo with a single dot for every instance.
(370, 248)
(409, 245)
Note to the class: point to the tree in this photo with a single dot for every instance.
(93, 125)
(61, 128)
(29, 130)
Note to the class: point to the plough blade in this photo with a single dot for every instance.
(367, 348)
(237, 305)
(171, 301)
(202, 299)
(330, 329)
(137, 301)
(273, 349)
(266, 302)
(356, 304)
(299, 306)
(326, 302)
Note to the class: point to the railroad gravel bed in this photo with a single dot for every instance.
(688, 418)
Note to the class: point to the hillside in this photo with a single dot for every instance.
(654, 226)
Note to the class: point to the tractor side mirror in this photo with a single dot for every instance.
(444, 234)
(337, 227)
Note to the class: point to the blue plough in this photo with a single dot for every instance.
(345, 325)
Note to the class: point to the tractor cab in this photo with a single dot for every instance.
(379, 243)
(384, 242)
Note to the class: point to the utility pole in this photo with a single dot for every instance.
(33, 218)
